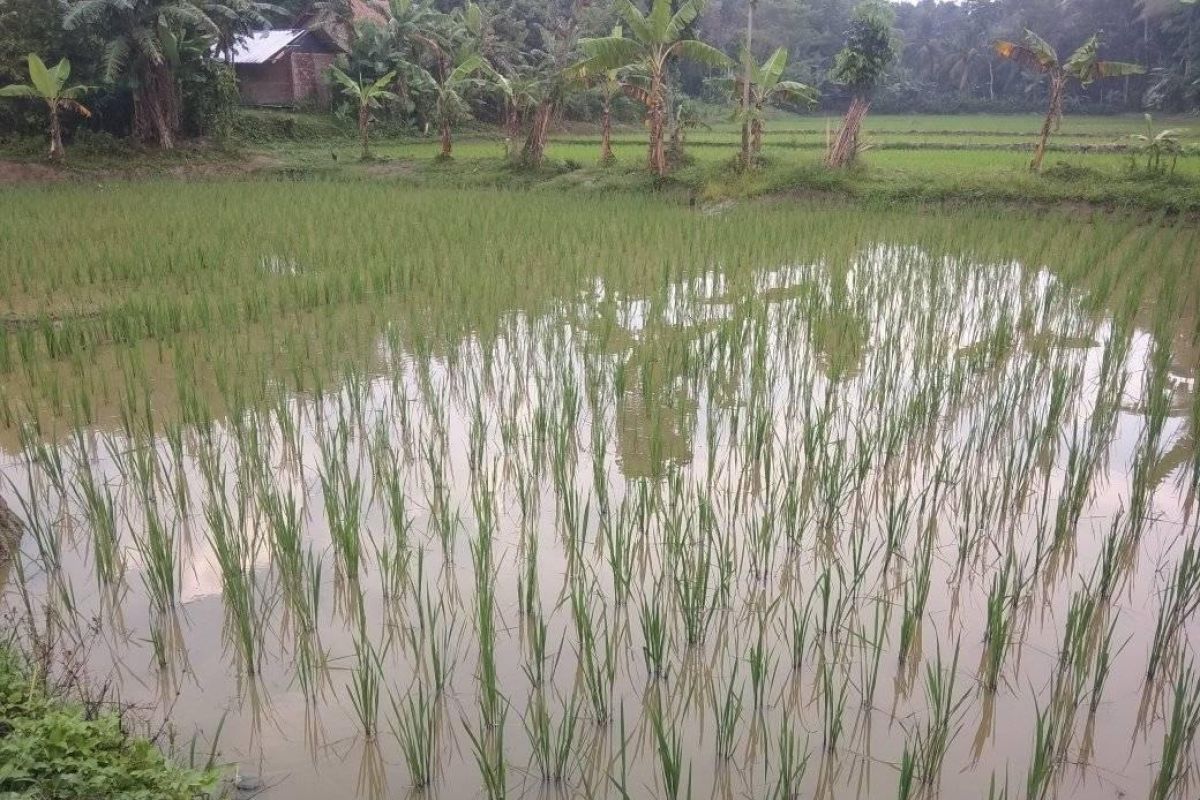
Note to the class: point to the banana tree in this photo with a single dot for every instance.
(50, 86)
(520, 93)
(449, 88)
(656, 43)
(766, 88)
(1084, 66)
(368, 95)
(610, 84)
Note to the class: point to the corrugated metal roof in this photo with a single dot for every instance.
(261, 47)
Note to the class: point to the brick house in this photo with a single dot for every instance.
(285, 67)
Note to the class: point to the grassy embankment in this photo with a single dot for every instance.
(927, 158)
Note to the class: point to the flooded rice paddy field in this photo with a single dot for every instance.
(483, 494)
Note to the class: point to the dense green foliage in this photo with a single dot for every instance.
(157, 62)
(53, 749)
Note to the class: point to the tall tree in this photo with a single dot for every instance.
(1084, 66)
(140, 36)
(49, 85)
(656, 43)
(860, 67)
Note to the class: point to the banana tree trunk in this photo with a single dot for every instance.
(156, 113)
(756, 136)
(57, 151)
(657, 156)
(535, 143)
(1057, 85)
(747, 153)
(512, 129)
(364, 122)
(447, 144)
(606, 153)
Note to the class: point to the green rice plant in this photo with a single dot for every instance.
(1079, 631)
(790, 765)
(414, 724)
(1181, 727)
(552, 745)
(487, 745)
(761, 661)
(596, 655)
(797, 632)
(668, 746)
(1179, 601)
(916, 594)
(527, 580)
(691, 580)
(1001, 612)
(1043, 763)
(238, 589)
(620, 781)
(727, 714)
(905, 789)
(364, 687)
(619, 550)
(1101, 665)
(833, 708)
(934, 739)
(655, 636)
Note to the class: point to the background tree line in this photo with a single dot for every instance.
(158, 72)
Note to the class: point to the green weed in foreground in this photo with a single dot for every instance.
(52, 747)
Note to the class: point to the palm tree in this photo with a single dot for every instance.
(765, 88)
(368, 95)
(1084, 66)
(138, 38)
(655, 45)
(50, 86)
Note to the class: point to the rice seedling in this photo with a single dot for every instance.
(364, 688)
(1179, 601)
(668, 746)
(487, 745)
(655, 636)
(414, 724)
(552, 745)
(1182, 724)
(727, 713)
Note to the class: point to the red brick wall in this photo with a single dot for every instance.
(308, 77)
(266, 84)
(293, 79)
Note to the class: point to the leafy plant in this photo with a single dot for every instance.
(368, 95)
(50, 86)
